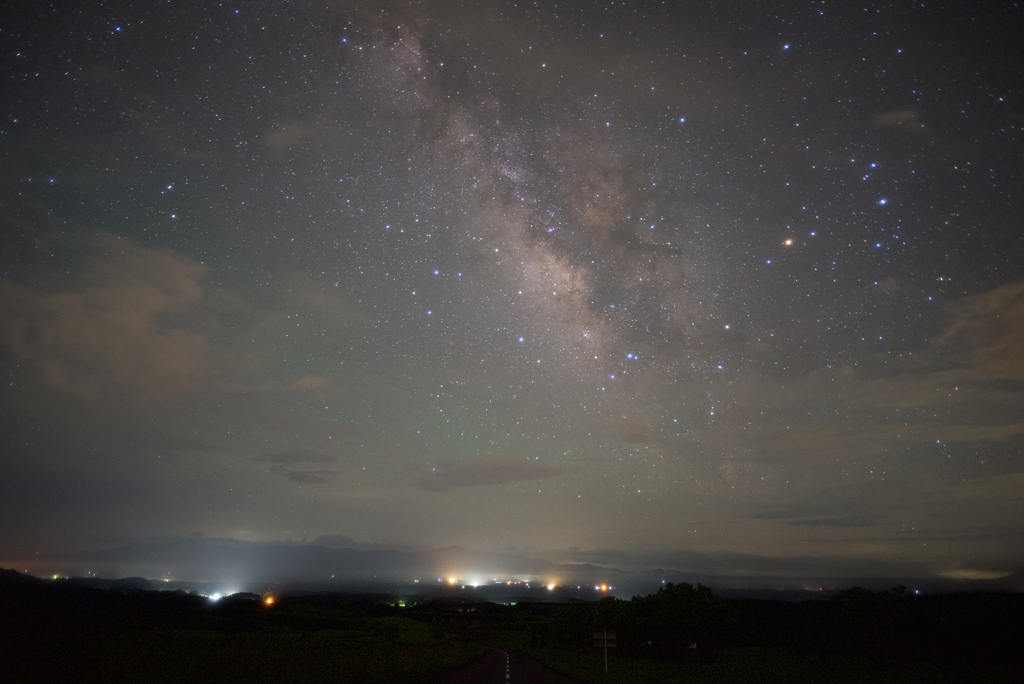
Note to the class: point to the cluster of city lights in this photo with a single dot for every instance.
(551, 585)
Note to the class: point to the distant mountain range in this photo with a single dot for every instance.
(332, 563)
(209, 559)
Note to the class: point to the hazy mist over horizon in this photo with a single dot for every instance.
(337, 563)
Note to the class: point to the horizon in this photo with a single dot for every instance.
(704, 289)
(230, 566)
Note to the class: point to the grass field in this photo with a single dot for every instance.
(386, 650)
(56, 632)
(768, 665)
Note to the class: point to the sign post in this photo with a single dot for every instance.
(604, 639)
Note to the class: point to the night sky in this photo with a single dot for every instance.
(731, 288)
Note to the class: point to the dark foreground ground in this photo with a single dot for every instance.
(503, 667)
(68, 631)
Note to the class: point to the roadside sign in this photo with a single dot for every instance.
(604, 639)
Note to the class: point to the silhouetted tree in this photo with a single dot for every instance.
(874, 624)
(677, 621)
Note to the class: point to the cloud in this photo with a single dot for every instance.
(304, 476)
(834, 507)
(820, 521)
(143, 440)
(631, 429)
(295, 466)
(292, 457)
(310, 382)
(812, 441)
(725, 564)
(283, 139)
(132, 319)
(989, 330)
(319, 386)
(337, 540)
(909, 119)
(491, 470)
(964, 390)
(974, 574)
(292, 137)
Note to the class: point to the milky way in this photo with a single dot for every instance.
(699, 286)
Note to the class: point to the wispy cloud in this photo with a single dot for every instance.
(317, 385)
(988, 329)
(135, 319)
(296, 466)
(491, 470)
(294, 457)
(909, 118)
(305, 476)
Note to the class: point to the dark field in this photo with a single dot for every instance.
(67, 631)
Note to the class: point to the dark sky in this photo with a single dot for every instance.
(655, 284)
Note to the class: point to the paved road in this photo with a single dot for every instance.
(503, 667)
